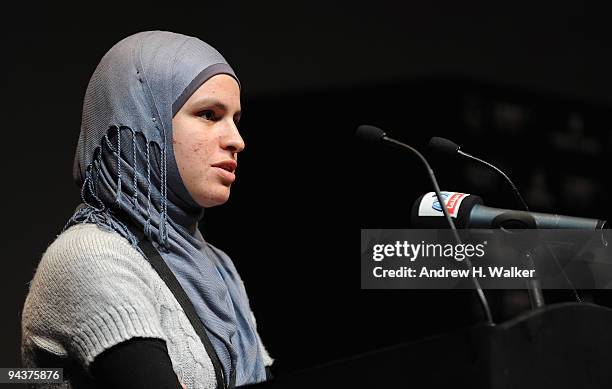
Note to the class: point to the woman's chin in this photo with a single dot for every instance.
(212, 200)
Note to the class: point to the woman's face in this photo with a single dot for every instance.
(206, 140)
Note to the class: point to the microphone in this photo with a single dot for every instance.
(370, 133)
(470, 212)
(447, 146)
(511, 219)
(375, 134)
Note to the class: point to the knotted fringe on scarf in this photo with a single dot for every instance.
(96, 211)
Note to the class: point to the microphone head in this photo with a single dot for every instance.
(370, 133)
(443, 145)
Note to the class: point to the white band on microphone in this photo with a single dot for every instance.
(430, 206)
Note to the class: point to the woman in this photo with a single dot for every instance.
(158, 144)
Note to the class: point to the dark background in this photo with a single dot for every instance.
(521, 84)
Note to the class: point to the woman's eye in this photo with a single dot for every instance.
(208, 115)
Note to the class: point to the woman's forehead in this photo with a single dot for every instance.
(220, 88)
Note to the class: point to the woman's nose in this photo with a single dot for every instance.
(233, 140)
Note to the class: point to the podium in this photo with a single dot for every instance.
(565, 345)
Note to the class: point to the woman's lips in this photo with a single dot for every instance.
(226, 169)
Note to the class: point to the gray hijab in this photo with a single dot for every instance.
(125, 161)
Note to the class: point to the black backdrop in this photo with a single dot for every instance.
(525, 86)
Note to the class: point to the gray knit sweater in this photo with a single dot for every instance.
(93, 290)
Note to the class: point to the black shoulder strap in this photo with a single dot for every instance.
(155, 259)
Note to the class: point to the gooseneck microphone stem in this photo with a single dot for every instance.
(516, 192)
(534, 289)
(432, 177)
(536, 296)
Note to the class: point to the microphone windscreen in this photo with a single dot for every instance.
(443, 145)
(369, 133)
